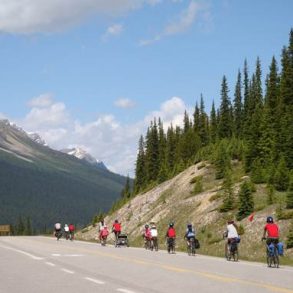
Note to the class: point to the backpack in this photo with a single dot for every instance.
(71, 228)
(271, 249)
(280, 248)
(171, 233)
(196, 244)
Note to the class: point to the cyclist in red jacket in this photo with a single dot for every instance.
(272, 231)
(116, 229)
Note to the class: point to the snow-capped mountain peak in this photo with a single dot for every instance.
(81, 154)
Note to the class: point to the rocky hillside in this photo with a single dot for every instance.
(175, 200)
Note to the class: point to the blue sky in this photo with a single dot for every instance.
(94, 72)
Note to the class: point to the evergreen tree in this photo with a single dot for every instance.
(257, 172)
(270, 123)
(286, 93)
(126, 192)
(225, 127)
(281, 178)
(213, 124)
(246, 204)
(228, 202)
(289, 196)
(28, 227)
(20, 227)
(246, 95)
(171, 149)
(270, 194)
(140, 172)
(152, 152)
(223, 160)
(238, 108)
(196, 119)
(203, 124)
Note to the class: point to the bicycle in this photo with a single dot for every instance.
(171, 245)
(191, 246)
(232, 250)
(272, 252)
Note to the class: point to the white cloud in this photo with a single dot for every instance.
(41, 101)
(106, 138)
(171, 111)
(181, 24)
(113, 30)
(185, 20)
(124, 103)
(34, 16)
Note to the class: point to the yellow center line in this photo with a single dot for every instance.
(207, 275)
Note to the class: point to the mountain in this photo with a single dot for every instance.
(83, 155)
(37, 138)
(180, 201)
(46, 186)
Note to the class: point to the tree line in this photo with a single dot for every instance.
(254, 126)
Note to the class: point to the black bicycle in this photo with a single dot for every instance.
(191, 246)
(171, 245)
(272, 254)
(232, 252)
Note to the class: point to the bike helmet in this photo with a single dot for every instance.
(270, 219)
(230, 222)
(116, 221)
(189, 226)
(146, 226)
(171, 224)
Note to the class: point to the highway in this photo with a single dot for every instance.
(42, 264)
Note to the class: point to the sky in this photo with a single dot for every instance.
(94, 73)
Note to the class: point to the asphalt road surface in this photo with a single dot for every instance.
(42, 264)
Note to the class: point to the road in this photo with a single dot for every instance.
(42, 264)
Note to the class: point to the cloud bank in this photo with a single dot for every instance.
(39, 16)
(105, 137)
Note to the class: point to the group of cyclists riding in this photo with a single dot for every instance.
(67, 229)
(150, 235)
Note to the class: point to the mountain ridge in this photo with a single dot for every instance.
(46, 185)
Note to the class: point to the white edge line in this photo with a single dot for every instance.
(67, 271)
(125, 291)
(23, 252)
(50, 264)
(95, 281)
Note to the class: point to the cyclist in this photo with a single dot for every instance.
(71, 231)
(66, 231)
(147, 236)
(116, 229)
(171, 236)
(231, 234)
(57, 230)
(104, 234)
(189, 234)
(154, 235)
(272, 231)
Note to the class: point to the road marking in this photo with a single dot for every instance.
(213, 276)
(67, 271)
(125, 291)
(56, 254)
(95, 281)
(50, 264)
(72, 255)
(23, 252)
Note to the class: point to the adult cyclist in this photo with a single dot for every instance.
(171, 236)
(189, 234)
(116, 229)
(271, 230)
(231, 234)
